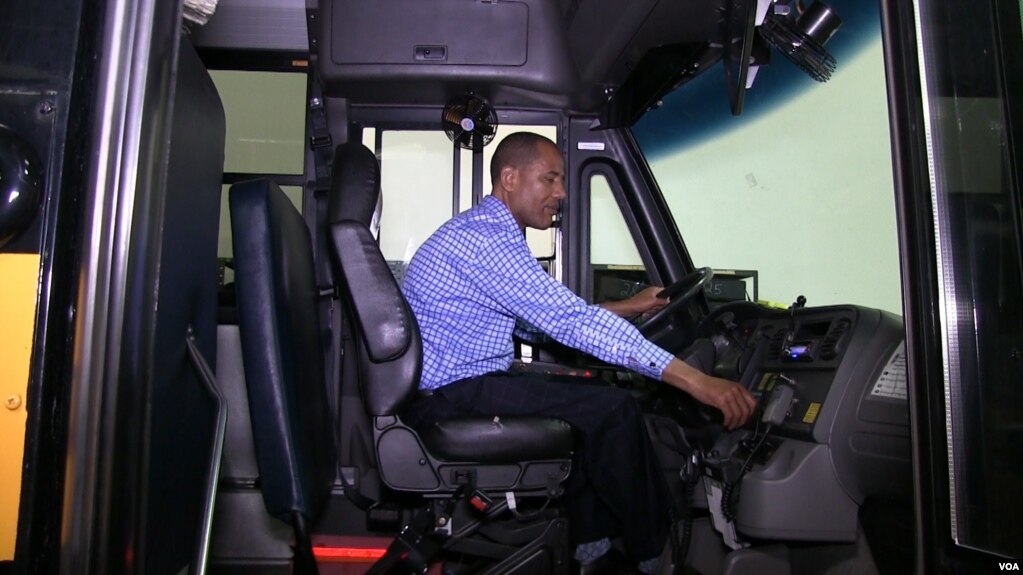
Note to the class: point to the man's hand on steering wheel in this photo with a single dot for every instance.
(643, 303)
(678, 294)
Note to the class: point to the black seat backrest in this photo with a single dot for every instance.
(354, 195)
(354, 185)
(389, 348)
(281, 349)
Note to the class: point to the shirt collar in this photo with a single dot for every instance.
(496, 209)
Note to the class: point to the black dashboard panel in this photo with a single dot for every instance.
(822, 353)
(842, 438)
(846, 434)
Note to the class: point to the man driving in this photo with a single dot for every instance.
(474, 284)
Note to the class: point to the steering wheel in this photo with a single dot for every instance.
(680, 293)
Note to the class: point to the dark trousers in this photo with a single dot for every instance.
(615, 487)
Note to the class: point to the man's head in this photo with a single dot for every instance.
(529, 177)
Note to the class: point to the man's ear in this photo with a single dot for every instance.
(509, 178)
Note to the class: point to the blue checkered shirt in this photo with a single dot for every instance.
(474, 283)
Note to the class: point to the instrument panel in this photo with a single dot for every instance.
(832, 385)
(823, 353)
(839, 435)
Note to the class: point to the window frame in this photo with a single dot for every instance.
(382, 118)
(218, 59)
(605, 167)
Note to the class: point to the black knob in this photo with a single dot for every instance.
(20, 184)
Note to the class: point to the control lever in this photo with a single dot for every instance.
(800, 303)
(778, 405)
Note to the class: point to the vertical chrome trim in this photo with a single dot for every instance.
(948, 307)
(109, 205)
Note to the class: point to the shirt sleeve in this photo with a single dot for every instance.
(527, 332)
(510, 276)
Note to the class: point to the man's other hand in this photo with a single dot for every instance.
(734, 401)
(643, 303)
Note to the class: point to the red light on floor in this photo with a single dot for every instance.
(348, 554)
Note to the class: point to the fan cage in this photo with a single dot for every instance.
(470, 123)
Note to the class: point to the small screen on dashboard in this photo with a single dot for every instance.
(798, 350)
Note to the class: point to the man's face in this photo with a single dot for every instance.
(539, 189)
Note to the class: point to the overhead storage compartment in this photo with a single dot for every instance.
(441, 48)
(405, 31)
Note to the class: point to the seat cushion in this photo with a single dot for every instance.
(497, 439)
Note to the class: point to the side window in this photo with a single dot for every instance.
(265, 136)
(418, 177)
(616, 267)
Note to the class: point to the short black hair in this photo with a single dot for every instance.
(516, 150)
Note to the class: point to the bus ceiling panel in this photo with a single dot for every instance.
(660, 71)
(549, 54)
(559, 54)
(255, 25)
(440, 48)
(608, 38)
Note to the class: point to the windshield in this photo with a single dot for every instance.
(796, 193)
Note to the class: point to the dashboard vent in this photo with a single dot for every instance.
(830, 347)
(777, 342)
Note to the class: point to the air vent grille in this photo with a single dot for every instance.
(831, 346)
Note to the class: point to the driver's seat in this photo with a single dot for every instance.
(469, 471)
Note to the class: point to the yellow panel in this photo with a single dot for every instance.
(20, 273)
(812, 412)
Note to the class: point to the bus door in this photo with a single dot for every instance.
(956, 91)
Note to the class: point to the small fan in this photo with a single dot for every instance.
(470, 122)
(801, 38)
